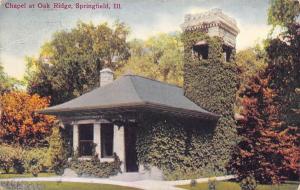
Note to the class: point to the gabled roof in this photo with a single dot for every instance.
(134, 91)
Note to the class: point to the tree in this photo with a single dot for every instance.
(69, 64)
(266, 151)
(270, 128)
(159, 57)
(19, 122)
(284, 64)
(6, 83)
(250, 61)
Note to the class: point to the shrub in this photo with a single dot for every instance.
(248, 183)
(193, 183)
(23, 160)
(36, 157)
(34, 167)
(56, 153)
(10, 157)
(18, 165)
(211, 184)
(95, 168)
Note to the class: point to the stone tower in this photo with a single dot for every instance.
(210, 80)
(214, 23)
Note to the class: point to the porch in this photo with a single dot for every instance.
(103, 138)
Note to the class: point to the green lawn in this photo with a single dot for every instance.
(76, 186)
(26, 175)
(236, 186)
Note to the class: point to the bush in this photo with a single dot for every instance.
(23, 160)
(193, 183)
(95, 168)
(56, 153)
(248, 183)
(36, 157)
(10, 157)
(211, 184)
(18, 165)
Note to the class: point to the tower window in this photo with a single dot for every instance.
(227, 50)
(200, 50)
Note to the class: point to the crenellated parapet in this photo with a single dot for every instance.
(214, 23)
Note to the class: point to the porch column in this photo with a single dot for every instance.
(97, 138)
(119, 144)
(75, 138)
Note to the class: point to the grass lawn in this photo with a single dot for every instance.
(26, 175)
(235, 186)
(79, 186)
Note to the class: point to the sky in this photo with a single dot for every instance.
(24, 30)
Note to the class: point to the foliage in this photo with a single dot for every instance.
(175, 145)
(211, 184)
(212, 84)
(159, 57)
(95, 168)
(284, 71)
(283, 12)
(23, 160)
(36, 158)
(56, 151)
(25, 175)
(187, 148)
(250, 61)
(69, 64)
(10, 157)
(266, 151)
(248, 183)
(20, 124)
(225, 185)
(193, 183)
(6, 83)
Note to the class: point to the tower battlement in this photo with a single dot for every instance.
(214, 23)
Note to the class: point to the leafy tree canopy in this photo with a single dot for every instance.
(19, 123)
(271, 125)
(7, 83)
(69, 64)
(159, 57)
(283, 12)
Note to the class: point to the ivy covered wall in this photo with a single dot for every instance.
(212, 84)
(176, 145)
(184, 148)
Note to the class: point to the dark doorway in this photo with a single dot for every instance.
(130, 148)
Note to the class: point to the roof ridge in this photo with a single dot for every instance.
(153, 80)
(134, 88)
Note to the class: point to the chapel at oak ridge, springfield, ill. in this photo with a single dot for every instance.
(111, 116)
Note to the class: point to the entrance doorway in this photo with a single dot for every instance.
(130, 148)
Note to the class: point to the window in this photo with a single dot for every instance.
(86, 137)
(107, 136)
(200, 50)
(227, 51)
